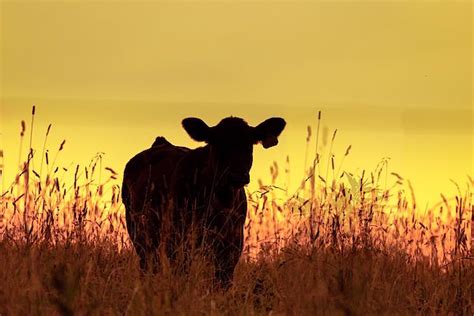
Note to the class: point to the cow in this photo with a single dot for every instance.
(179, 199)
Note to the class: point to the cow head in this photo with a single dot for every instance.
(231, 145)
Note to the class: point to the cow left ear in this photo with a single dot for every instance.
(268, 131)
(197, 129)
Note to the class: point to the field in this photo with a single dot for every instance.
(342, 244)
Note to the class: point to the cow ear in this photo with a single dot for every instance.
(268, 131)
(197, 129)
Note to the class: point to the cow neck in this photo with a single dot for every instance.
(206, 161)
(196, 160)
(205, 165)
(199, 166)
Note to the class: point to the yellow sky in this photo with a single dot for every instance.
(395, 78)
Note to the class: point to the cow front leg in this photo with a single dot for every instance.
(224, 275)
(225, 263)
(227, 251)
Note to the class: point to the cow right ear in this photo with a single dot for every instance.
(197, 129)
(268, 131)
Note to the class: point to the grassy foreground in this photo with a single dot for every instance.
(96, 279)
(342, 244)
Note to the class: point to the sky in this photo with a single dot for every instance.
(394, 78)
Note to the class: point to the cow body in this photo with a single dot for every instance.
(179, 200)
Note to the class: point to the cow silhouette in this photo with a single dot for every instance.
(179, 200)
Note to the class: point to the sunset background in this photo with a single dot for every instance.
(394, 78)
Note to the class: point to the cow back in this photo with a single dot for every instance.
(148, 175)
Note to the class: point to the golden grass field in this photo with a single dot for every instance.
(342, 244)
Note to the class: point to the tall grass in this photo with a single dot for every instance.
(343, 243)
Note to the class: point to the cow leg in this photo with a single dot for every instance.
(224, 274)
(144, 245)
(230, 238)
(146, 251)
(225, 266)
(227, 256)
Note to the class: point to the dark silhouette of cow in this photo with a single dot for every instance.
(178, 199)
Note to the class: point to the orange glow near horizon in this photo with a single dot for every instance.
(395, 80)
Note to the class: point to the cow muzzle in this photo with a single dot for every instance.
(238, 180)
